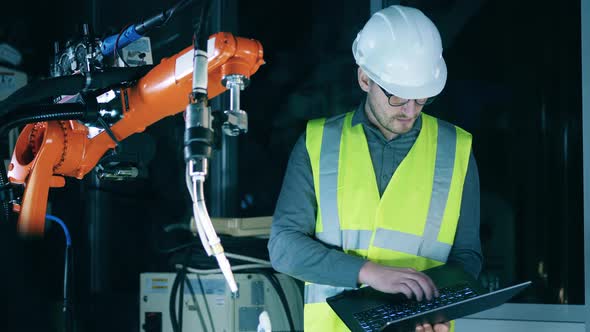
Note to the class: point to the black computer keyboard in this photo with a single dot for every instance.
(374, 319)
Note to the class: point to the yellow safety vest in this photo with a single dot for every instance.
(412, 225)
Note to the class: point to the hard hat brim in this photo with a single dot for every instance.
(430, 89)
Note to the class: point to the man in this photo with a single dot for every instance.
(374, 196)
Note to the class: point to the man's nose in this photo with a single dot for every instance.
(410, 108)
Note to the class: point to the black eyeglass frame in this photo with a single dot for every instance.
(389, 95)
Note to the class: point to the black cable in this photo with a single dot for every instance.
(109, 132)
(40, 113)
(115, 77)
(66, 285)
(67, 306)
(206, 303)
(177, 227)
(282, 297)
(182, 282)
(43, 90)
(177, 248)
(201, 36)
(178, 285)
(160, 19)
(172, 302)
(285, 300)
(70, 317)
(117, 50)
(170, 12)
(138, 30)
(171, 250)
(181, 299)
(5, 206)
(196, 303)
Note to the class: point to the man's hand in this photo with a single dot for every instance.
(442, 327)
(398, 280)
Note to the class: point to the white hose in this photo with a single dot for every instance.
(196, 225)
(209, 239)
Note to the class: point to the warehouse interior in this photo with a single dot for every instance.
(113, 245)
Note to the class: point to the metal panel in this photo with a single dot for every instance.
(376, 5)
(535, 312)
(223, 179)
(585, 40)
(207, 307)
(249, 318)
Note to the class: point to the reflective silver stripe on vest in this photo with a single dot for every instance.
(316, 293)
(397, 241)
(435, 250)
(443, 173)
(329, 156)
(356, 239)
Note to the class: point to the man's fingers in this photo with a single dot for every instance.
(432, 285)
(404, 289)
(416, 288)
(427, 285)
(424, 328)
(442, 327)
(407, 281)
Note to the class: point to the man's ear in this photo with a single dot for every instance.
(364, 80)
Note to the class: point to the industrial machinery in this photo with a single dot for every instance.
(70, 136)
(208, 305)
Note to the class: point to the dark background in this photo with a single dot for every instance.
(514, 82)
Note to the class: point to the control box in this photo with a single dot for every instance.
(209, 305)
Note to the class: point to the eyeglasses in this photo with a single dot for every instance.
(396, 101)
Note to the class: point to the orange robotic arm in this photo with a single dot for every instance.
(47, 151)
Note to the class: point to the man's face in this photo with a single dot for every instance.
(391, 120)
(394, 119)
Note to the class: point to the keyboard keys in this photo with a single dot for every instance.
(374, 319)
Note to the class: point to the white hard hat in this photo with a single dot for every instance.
(400, 49)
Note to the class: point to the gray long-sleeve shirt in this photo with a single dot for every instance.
(295, 251)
